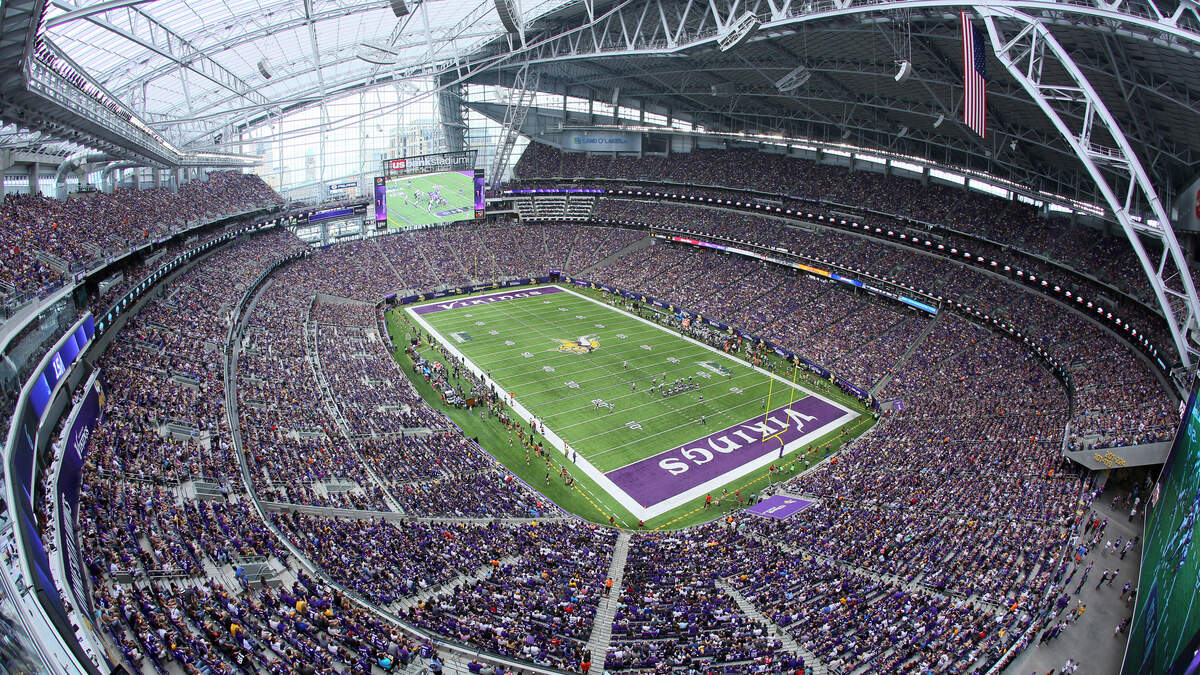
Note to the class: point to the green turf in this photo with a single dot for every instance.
(406, 210)
(519, 343)
(536, 328)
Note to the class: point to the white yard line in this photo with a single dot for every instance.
(659, 356)
(623, 498)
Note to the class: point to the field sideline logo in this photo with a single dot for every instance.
(585, 344)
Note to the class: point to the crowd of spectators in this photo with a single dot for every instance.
(673, 614)
(91, 226)
(538, 604)
(934, 542)
(208, 627)
(1007, 230)
(164, 376)
(366, 383)
(1119, 401)
(387, 561)
(149, 547)
(293, 442)
(137, 530)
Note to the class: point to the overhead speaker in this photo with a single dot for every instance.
(796, 78)
(399, 8)
(905, 71)
(743, 27)
(262, 69)
(938, 122)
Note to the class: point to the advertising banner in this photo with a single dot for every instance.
(442, 161)
(380, 199)
(601, 141)
(87, 414)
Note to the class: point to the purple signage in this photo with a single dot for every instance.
(488, 299)
(380, 199)
(72, 345)
(655, 479)
(84, 419)
(779, 507)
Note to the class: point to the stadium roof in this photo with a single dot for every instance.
(1146, 72)
(195, 66)
(191, 69)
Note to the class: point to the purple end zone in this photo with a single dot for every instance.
(675, 471)
(459, 303)
(779, 507)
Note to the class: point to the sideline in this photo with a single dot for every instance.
(622, 497)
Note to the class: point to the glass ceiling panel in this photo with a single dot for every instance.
(172, 60)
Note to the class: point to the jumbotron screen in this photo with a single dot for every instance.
(1166, 625)
(419, 200)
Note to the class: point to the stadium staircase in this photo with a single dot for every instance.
(812, 664)
(908, 353)
(643, 243)
(327, 397)
(597, 644)
(399, 279)
(401, 607)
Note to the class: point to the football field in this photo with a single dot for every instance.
(593, 375)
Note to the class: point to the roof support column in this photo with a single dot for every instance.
(35, 169)
(1025, 45)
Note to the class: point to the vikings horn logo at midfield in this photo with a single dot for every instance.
(583, 345)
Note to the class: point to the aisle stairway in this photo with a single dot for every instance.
(644, 242)
(476, 575)
(788, 643)
(602, 625)
(908, 353)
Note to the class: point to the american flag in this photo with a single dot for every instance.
(974, 77)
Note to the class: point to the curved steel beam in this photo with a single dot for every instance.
(1026, 52)
(72, 163)
(671, 28)
(685, 25)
